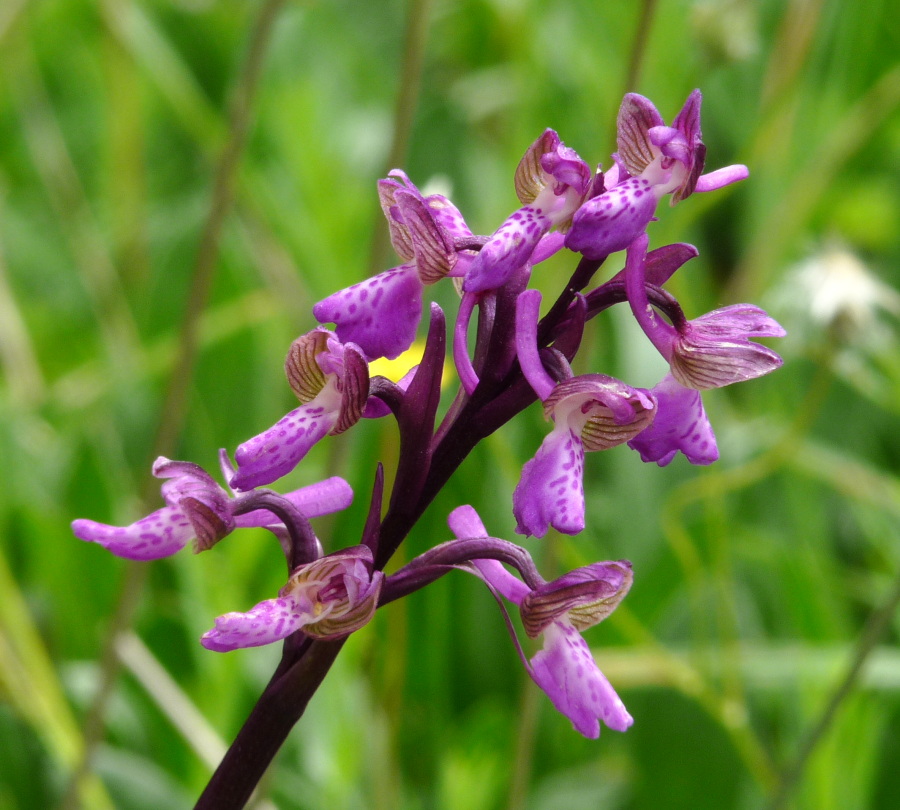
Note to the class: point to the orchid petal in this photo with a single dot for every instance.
(637, 115)
(276, 451)
(160, 534)
(714, 350)
(387, 190)
(551, 491)
(680, 424)
(531, 178)
(507, 250)
(432, 246)
(688, 119)
(265, 623)
(605, 411)
(322, 498)
(380, 314)
(722, 177)
(565, 166)
(583, 597)
(613, 220)
(447, 216)
(567, 672)
(304, 373)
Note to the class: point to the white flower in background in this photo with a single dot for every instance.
(833, 300)
(843, 292)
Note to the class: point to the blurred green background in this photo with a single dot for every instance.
(755, 578)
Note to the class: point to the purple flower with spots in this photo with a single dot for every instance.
(331, 379)
(564, 668)
(590, 412)
(328, 598)
(653, 160)
(680, 424)
(551, 183)
(198, 509)
(711, 351)
(382, 313)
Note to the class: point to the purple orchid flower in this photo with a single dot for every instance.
(653, 160)
(680, 424)
(551, 183)
(564, 668)
(382, 313)
(328, 598)
(590, 412)
(711, 351)
(331, 379)
(198, 509)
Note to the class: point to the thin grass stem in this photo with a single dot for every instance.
(413, 60)
(875, 628)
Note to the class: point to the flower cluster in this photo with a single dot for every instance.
(518, 357)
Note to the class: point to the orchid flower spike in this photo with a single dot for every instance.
(328, 598)
(564, 668)
(590, 412)
(711, 351)
(551, 183)
(198, 509)
(382, 313)
(653, 160)
(331, 380)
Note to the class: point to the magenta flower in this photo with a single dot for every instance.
(590, 412)
(551, 182)
(328, 598)
(198, 509)
(564, 668)
(331, 380)
(653, 160)
(711, 351)
(382, 313)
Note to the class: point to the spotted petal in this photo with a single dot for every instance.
(447, 216)
(265, 623)
(160, 534)
(276, 451)
(613, 220)
(567, 672)
(680, 424)
(507, 250)
(551, 491)
(380, 314)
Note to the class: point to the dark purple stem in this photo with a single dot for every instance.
(276, 712)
